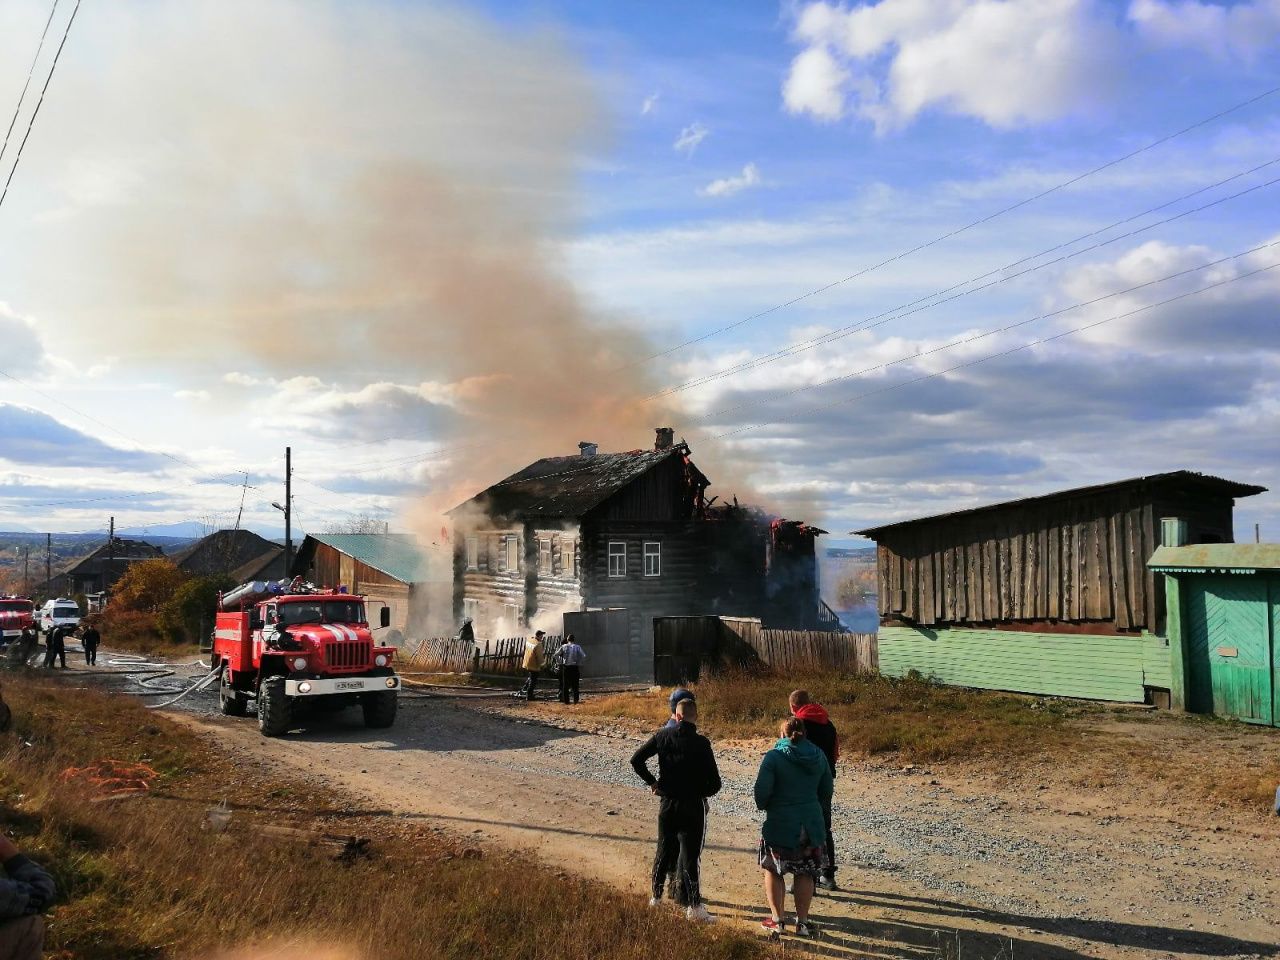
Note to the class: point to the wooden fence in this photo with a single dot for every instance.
(683, 646)
(448, 655)
(798, 650)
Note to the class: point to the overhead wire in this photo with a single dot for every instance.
(31, 71)
(1001, 277)
(958, 230)
(39, 103)
(1012, 350)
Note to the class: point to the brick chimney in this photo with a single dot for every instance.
(666, 438)
(587, 448)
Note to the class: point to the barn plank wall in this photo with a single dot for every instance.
(1078, 562)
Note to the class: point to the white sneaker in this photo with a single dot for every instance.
(700, 914)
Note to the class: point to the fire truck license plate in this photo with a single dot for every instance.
(348, 685)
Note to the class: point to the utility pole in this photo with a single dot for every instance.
(111, 558)
(26, 570)
(48, 562)
(1257, 533)
(288, 510)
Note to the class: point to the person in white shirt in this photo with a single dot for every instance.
(570, 656)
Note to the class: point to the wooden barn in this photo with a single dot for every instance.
(389, 568)
(600, 544)
(1049, 594)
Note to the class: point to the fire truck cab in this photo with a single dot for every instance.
(283, 644)
(16, 613)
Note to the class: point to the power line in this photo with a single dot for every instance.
(114, 429)
(957, 231)
(987, 333)
(30, 73)
(39, 103)
(1002, 276)
(1012, 350)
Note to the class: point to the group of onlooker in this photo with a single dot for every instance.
(566, 662)
(793, 787)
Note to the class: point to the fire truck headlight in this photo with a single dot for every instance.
(304, 687)
(380, 660)
(300, 663)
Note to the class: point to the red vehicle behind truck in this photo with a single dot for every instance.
(16, 614)
(287, 644)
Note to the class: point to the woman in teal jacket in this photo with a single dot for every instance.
(793, 783)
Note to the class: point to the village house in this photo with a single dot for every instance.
(602, 543)
(1046, 595)
(99, 570)
(240, 555)
(389, 568)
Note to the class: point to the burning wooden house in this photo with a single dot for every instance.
(609, 541)
(1047, 595)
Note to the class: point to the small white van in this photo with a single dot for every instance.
(59, 613)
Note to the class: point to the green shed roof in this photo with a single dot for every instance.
(1208, 557)
(395, 554)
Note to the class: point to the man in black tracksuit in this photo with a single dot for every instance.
(687, 776)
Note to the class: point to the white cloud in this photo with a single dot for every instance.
(198, 395)
(816, 85)
(650, 102)
(728, 186)
(237, 379)
(689, 139)
(331, 410)
(1241, 31)
(1008, 64)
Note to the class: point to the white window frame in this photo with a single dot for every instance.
(613, 554)
(544, 550)
(473, 553)
(511, 554)
(569, 558)
(656, 555)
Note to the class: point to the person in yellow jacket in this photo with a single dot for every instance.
(532, 663)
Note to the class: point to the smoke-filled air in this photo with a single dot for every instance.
(363, 201)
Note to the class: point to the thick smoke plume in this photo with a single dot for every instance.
(359, 194)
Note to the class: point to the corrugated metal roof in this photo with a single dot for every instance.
(1207, 557)
(1229, 487)
(562, 487)
(395, 554)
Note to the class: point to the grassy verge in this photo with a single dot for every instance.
(914, 720)
(143, 878)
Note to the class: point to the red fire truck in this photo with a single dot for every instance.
(284, 644)
(16, 613)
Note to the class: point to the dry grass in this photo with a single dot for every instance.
(913, 720)
(141, 878)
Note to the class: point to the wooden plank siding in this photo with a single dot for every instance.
(1088, 666)
(1084, 565)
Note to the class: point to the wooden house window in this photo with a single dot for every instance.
(544, 557)
(569, 553)
(473, 553)
(617, 558)
(652, 559)
(512, 550)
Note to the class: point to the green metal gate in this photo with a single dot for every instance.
(1232, 625)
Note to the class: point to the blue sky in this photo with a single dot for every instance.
(436, 242)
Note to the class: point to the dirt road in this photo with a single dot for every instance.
(934, 863)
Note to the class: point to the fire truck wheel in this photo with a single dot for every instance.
(273, 707)
(379, 709)
(232, 702)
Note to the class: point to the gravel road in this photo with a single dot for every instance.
(934, 863)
